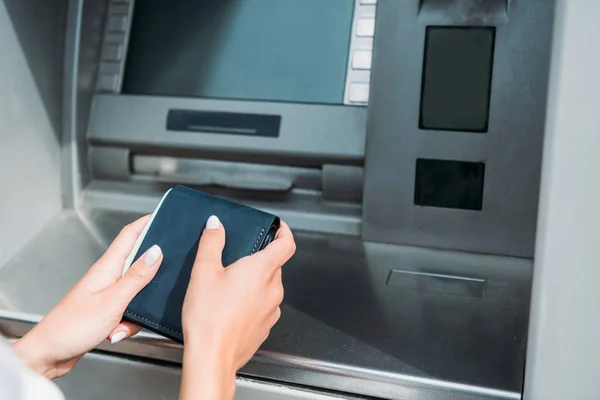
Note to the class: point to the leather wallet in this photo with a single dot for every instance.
(176, 226)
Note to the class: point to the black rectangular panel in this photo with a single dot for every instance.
(457, 72)
(224, 122)
(449, 184)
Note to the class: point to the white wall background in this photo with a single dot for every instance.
(563, 355)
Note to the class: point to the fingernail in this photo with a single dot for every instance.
(117, 337)
(152, 255)
(212, 223)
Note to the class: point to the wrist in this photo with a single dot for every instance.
(208, 345)
(211, 368)
(34, 356)
(210, 357)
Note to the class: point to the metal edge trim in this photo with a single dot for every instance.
(16, 324)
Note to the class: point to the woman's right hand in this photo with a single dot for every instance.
(228, 312)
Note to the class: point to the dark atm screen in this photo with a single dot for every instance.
(271, 50)
(457, 72)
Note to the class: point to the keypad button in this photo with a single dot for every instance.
(365, 27)
(359, 93)
(361, 59)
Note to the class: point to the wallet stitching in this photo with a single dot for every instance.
(154, 323)
(262, 231)
(186, 193)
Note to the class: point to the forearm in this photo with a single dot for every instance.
(206, 375)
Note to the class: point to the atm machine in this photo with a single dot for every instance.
(401, 140)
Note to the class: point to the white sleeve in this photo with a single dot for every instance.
(20, 383)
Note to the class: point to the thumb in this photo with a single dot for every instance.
(138, 275)
(210, 248)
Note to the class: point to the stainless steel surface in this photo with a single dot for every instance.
(130, 379)
(563, 357)
(110, 163)
(343, 183)
(464, 12)
(83, 41)
(342, 325)
(70, 184)
(30, 111)
(511, 148)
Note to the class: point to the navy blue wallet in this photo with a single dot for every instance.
(176, 226)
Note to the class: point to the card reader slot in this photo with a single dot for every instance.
(224, 123)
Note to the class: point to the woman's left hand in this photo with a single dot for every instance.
(92, 311)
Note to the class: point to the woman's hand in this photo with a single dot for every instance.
(228, 312)
(92, 310)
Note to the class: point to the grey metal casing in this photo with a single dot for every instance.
(160, 382)
(511, 148)
(30, 119)
(311, 134)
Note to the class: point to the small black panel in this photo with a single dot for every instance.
(222, 122)
(449, 184)
(457, 72)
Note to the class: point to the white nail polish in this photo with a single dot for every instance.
(117, 337)
(212, 223)
(152, 255)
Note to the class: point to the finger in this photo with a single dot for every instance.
(280, 250)
(116, 254)
(123, 331)
(137, 276)
(210, 248)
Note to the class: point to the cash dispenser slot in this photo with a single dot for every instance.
(325, 199)
(334, 183)
(232, 175)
